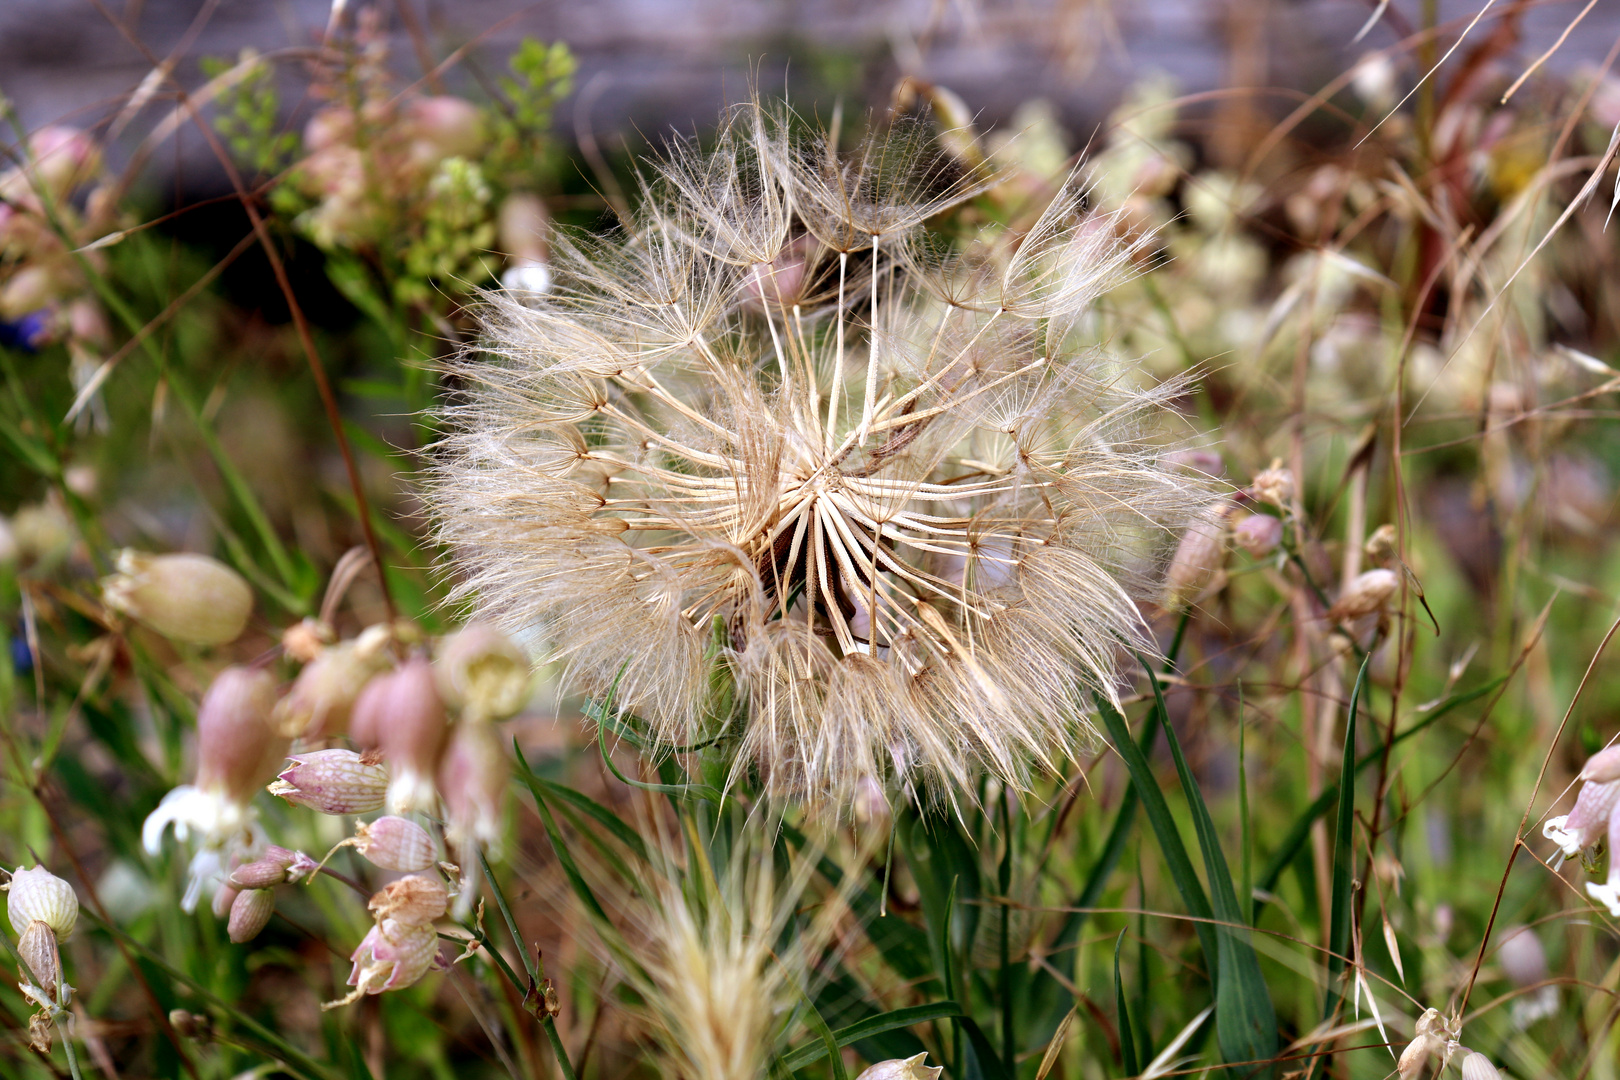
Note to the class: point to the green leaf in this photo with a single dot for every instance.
(581, 888)
(1245, 1020)
(872, 1025)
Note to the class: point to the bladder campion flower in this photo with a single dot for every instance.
(776, 425)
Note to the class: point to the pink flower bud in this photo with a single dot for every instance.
(1603, 766)
(250, 913)
(1523, 959)
(1258, 534)
(444, 127)
(333, 782)
(224, 897)
(522, 224)
(395, 843)
(411, 900)
(473, 780)
(329, 127)
(392, 956)
(1367, 594)
(1198, 558)
(911, 1068)
(278, 866)
(482, 672)
(44, 961)
(189, 598)
(321, 701)
(411, 733)
(236, 746)
(38, 895)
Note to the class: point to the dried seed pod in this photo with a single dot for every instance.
(411, 900)
(1367, 594)
(250, 913)
(236, 746)
(395, 843)
(482, 672)
(1198, 558)
(39, 952)
(190, 598)
(1258, 534)
(411, 733)
(333, 782)
(392, 955)
(1274, 485)
(473, 779)
(323, 697)
(39, 895)
(911, 1068)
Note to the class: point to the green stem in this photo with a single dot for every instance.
(67, 1047)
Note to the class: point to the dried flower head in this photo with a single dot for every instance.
(775, 425)
(911, 1068)
(393, 955)
(412, 900)
(42, 958)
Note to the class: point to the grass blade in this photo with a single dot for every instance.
(1127, 1030)
(1343, 843)
(872, 1025)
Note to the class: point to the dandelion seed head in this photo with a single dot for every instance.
(773, 424)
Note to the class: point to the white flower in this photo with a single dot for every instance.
(223, 827)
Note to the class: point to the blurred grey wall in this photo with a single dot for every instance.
(649, 65)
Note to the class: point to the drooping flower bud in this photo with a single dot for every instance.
(411, 734)
(1258, 534)
(333, 782)
(1603, 767)
(1198, 558)
(250, 913)
(224, 897)
(1367, 594)
(392, 956)
(395, 843)
(278, 866)
(236, 745)
(38, 949)
(412, 900)
(482, 672)
(190, 598)
(322, 699)
(1274, 485)
(473, 780)
(37, 895)
(911, 1068)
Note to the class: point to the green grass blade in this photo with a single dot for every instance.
(1245, 1019)
(872, 1025)
(1343, 849)
(1299, 834)
(1127, 1030)
(610, 821)
(581, 888)
(1164, 828)
(983, 1050)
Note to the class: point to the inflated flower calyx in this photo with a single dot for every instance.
(37, 895)
(411, 735)
(911, 1068)
(1198, 558)
(473, 779)
(1477, 1066)
(250, 913)
(482, 672)
(236, 745)
(323, 697)
(394, 843)
(224, 897)
(278, 866)
(1602, 767)
(412, 900)
(1368, 594)
(1258, 534)
(333, 782)
(190, 598)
